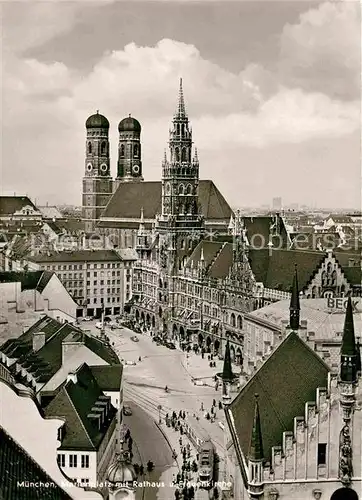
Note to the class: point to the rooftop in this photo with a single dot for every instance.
(130, 198)
(322, 315)
(285, 382)
(16, 465)
(11, 204)
(275, 268)
(76, 402)
(78, 256)
(31, 280)
(45, 362)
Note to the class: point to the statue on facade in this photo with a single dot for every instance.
(345, 452)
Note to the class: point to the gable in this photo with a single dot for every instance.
(285, 382)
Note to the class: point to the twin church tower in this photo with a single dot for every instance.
(180, 175)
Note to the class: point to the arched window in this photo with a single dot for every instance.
(177, 154)
(232, 319)
(136, 150)
(178, 129)
(181, 189)
(122, 149)
(89, 148)
(182, 244)
(240, 322)
(103, 148)
(183, 155)
(183, 129)
(189, 189)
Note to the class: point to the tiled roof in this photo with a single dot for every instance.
(210, 250)
(31, 280)
(45, 362)
(275, 268)
(70, 225)
(109, 378)
(340, 219)
(51, 212)
(327, 323)
(17, 466)
(221, 265)
(74, 402)
(12, 204)
(258, 230)
(77, 256)
(285, 382)
(353, 275)
(130, 198)
(315, 241)
(127, 253)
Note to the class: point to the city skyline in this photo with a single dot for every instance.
(273, 99)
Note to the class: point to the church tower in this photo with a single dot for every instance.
(294, 308)
(97, 180)
(129, 151)
(180, 176)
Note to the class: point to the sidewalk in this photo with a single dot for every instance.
(173, 438)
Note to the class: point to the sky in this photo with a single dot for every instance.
(272, 91)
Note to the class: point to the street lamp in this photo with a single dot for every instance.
(159, 408)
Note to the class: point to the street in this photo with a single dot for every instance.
(144, 385)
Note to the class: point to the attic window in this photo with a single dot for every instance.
(322, 454)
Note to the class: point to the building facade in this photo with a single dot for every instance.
(96, 279)
(304, 439)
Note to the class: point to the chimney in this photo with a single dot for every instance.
(38, 340)
(69, 346)
(72, 376)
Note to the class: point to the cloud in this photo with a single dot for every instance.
(323, 51)
(46, 105)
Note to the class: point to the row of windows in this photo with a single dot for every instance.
(109, 273)
(73, 461)
(75, 267)
(101, 282)
(101, 291)
(108, 300)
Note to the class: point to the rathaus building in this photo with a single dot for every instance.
(192, 278)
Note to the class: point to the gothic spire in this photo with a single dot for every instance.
(181, 109)
(227, 372)
(256, 442)
(350, 358)
(294, 308)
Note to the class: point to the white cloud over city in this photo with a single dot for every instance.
(309, 94)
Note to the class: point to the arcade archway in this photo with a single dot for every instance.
(148, 320)
(200, 339)
(344, 494)
(143, 317)
(137, 314)
(182, 333)
(216, 345)
(153, 322)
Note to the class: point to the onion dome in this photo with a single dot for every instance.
(120, 471)
(97, 121)
(129, 124)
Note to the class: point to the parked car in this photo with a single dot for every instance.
(135, 339)
(107, 319)
(127, 411)
(99, 325)
(87, 318)
(130, 363)
(170, 345)
(157, 339)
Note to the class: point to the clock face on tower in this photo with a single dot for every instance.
(135, 169)
(103, 168)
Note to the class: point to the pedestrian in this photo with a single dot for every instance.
(220, 405)
(202, 406)
(139, 359)
(214, 402)
(141, 470)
